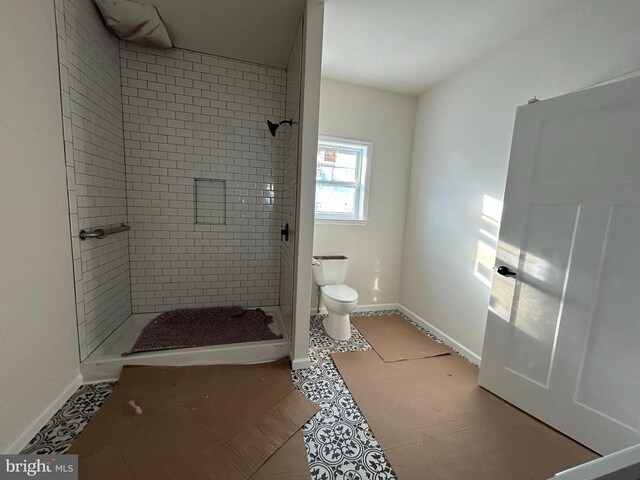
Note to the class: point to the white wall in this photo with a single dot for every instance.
(38, 343)
(461, 151)
(305, 192)
(375, 249)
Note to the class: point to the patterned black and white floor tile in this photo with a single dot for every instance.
(60, 431)
(340, 443)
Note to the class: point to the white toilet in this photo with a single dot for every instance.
(329, 272)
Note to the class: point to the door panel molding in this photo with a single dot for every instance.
(578, 369)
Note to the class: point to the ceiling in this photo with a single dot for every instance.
(408, 46)
(405, 46)
(260, 31)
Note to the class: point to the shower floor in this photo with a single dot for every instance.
(106, 361)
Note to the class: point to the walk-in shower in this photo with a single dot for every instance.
(178, 193)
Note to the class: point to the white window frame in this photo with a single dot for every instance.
(362, 186)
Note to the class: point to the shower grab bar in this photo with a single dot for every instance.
(102, 232)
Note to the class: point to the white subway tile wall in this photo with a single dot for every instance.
(194, 116)
(94, 149)
(289, 184)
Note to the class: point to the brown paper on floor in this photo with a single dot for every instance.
(288, 463)
(395, 339)
(433, 421)
(199, 422)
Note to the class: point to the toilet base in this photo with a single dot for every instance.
(337, 327)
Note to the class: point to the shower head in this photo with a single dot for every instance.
(274, 126)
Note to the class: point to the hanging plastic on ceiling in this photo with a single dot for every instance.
(135, 22)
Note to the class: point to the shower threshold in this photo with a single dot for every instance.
(106, 361)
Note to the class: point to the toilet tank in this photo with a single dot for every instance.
(330, 270)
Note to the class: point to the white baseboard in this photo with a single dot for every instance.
(458, 347)
(96, 382)
(300, 363)
(364, 308)
(44, 417)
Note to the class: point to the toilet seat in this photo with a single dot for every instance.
(340, 293)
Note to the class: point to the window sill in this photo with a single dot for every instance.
(322, 221)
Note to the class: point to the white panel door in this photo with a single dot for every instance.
(563, 335)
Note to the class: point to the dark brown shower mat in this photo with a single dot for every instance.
(200, 327)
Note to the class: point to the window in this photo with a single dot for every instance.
(342, 180)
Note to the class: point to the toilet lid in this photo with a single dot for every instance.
(340, 293)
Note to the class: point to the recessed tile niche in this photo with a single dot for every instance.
(210, 201)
